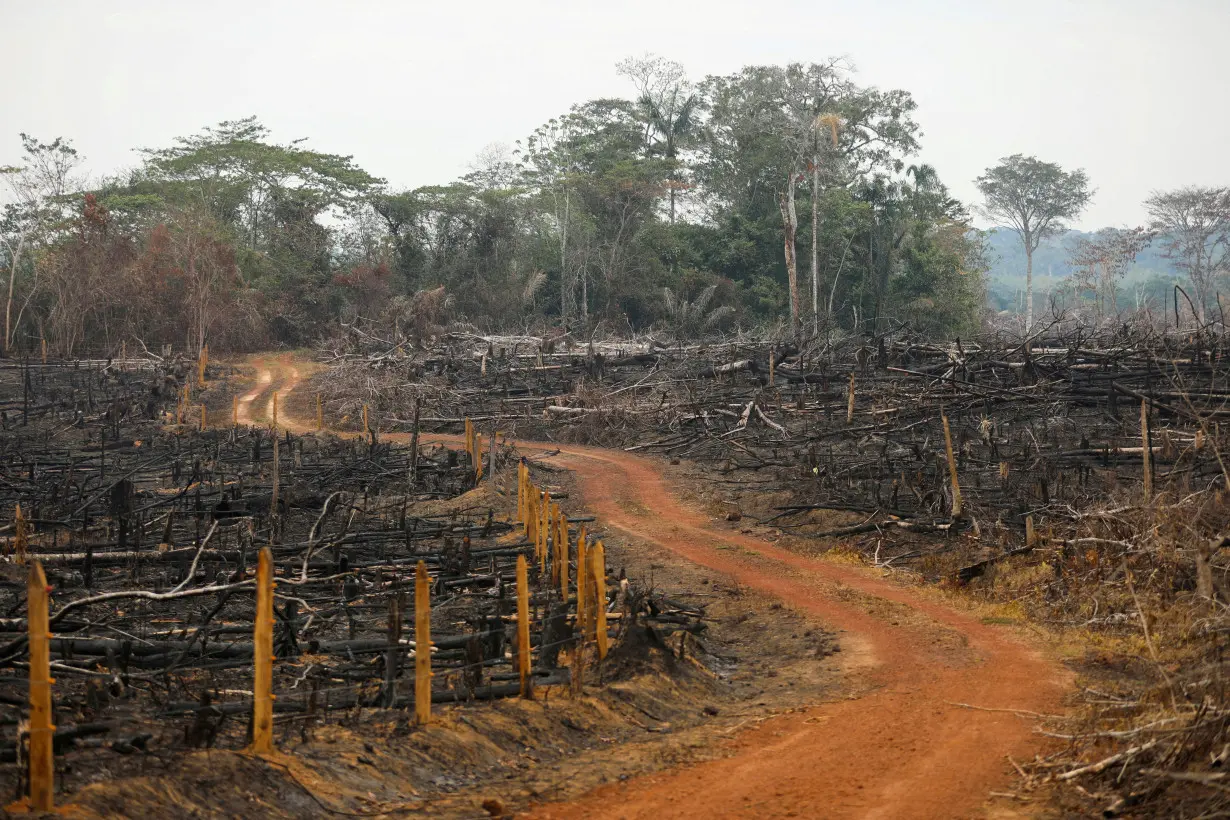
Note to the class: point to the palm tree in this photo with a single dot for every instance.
(671, 119)
(691, 319)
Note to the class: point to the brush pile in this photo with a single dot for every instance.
(1089, 491)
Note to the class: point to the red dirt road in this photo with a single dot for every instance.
(901, 749)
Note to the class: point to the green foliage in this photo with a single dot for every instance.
(687, 319)
(664, 209)
(1032, 197)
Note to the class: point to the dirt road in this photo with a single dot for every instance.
(902, 748)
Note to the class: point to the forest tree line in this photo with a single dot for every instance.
(775, 195)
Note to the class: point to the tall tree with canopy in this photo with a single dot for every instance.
(668, 106)
(761, 127)
(1194, 226)
(1035, 199)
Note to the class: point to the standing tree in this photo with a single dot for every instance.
(1034, 199)
(39, 189)
(829, 123)
(667, 105)
(83, 274)
(1194, 226)
(190, 255)
(1101, 260)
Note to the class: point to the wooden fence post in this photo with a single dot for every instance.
(320, 413)
(850, 402)
(564, 549)
(556, 542)
(366, 428)
(952, 470)
(491, 454)
(273, 499)
(42, 732)
(20, 539)
(582, 585)
(422, 645)
(275, 409)
(478, 456)
(523, 627)
(262, 656)
(203, 418)
(531, 510)
(521, 493)
(1146, 449)
(598, 558)
(392, 656)
(544, 529)
(235, 410)
(578, 664)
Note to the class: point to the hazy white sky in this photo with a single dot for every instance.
(1132, 91)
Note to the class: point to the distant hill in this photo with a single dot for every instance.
(1151, 275)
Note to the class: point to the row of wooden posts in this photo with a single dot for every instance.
(546, 527)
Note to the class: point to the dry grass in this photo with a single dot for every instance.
(1118, 584)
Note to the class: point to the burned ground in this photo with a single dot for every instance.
(1090, 468)
(148, 527)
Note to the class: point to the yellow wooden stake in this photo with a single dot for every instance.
(563, 558)
(772, 367)
(523, 627)
(235, 411)
(44, 341)
(203, 418)
(422, 646)
(531, 509)
(952, 470)
(544, 529)
(1146, 448)
(366, 427)
(1029, 531)
(262, 656)
(555, 543)
(275, 410)
(42, 762)
(582, 586)
(599, 568)
(578, 656)
(850, 403)
(320, 413)
(521, 493)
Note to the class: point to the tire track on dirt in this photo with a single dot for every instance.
(902, 749)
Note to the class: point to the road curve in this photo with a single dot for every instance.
(903, 749)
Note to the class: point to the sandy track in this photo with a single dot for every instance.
(901, 749)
